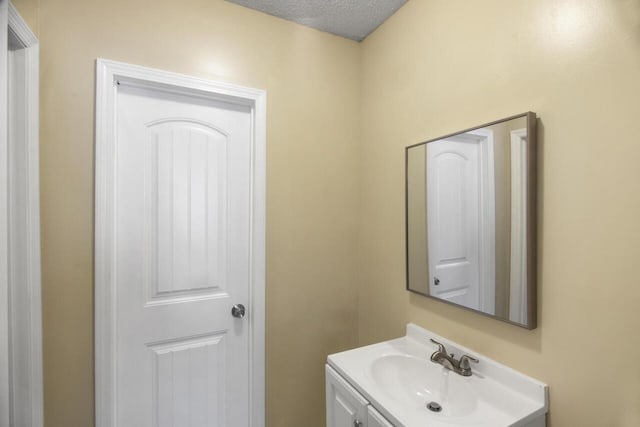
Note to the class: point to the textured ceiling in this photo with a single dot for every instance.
(353, 19)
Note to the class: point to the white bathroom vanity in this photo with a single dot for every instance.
(395, 384)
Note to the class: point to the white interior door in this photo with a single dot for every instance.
(179, 242)
(182, 260)
(453, 220)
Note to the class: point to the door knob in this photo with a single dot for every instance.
(436, 281)
(238, 311)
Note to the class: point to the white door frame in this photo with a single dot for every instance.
(108, 76)
(4, 217)
(21, 268)
(487, 220)
(518, 272)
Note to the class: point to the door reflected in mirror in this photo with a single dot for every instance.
(470, 210)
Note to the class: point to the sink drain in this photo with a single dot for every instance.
(434, 407)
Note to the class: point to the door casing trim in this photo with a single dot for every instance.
(20, 340)
(108, 76)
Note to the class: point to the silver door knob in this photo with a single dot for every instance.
(238, 311)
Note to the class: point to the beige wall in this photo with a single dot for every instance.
(30, 12)
(418, 244)
(313, 133)
(502, 176)
(438, 66)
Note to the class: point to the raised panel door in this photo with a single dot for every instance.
(182, 260)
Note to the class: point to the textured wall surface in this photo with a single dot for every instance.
(439, 66)
(313, 133)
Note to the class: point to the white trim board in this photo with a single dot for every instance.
(108, 75)
(487, 220)
(518, 272)
(23, 215)
(4, 238)
(20, 29)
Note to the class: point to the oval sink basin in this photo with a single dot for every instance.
(397, 378)
(417, 382)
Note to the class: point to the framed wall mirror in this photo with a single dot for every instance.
(471, 219)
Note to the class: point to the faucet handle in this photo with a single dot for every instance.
(463, 363)
(441, 348)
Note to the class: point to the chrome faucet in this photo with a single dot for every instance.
(461, 366)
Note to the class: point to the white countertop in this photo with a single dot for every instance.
(496, 395)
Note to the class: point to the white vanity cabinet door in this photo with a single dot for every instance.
(376, 419)
(345, 406)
